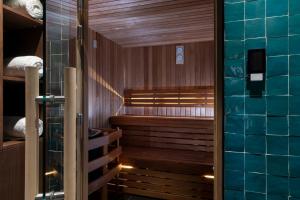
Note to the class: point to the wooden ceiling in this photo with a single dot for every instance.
(152, 22)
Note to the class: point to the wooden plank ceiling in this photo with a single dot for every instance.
(152, 22)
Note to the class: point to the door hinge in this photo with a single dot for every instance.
(80, 33)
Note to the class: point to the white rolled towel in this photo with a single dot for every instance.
(33, 7)
(16, 126)
(21, 62)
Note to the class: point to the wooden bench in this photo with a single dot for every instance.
(170, 157)
(103, 166)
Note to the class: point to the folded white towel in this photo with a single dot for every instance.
(21, 62)
(16, 127)
(33, 7)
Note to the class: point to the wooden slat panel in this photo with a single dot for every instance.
(99, 183)
(169, 155)
(100, 162)
(153, 22)
(187, 96)
(104, 140)
(154, 68)
(155, 194)
(106, 80)
(155, 121)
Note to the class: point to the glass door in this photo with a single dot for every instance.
(62, 52)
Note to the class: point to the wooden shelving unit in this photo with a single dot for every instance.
(15, 18)
(16, 22)
(12, 78)
(20, 35)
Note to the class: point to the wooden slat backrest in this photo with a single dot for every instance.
(172, 97)
(104, 140)
(108, 138)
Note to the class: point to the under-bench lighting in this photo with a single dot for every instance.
(209, 176)
(126, 167)
(51, 173)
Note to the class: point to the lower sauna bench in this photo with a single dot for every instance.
(165, 157)
(103, 166)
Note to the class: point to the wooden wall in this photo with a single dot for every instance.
(106, 80)
(113, 68)
(155, 67)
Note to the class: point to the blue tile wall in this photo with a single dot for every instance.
(262, 132)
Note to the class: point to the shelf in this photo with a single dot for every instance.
(15, 18)
(11, 78)
(11, 144)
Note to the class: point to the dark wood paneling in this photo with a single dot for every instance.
(153, 22)
(113, 68)
(12, 164)
(106, 80)
(155, 67)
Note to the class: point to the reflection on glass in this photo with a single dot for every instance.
(61, 19)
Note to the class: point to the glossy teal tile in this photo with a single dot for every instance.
(277, 185)
(233, 195)
(255, 125)
(295, 85)
(295, 65)
(232, 1)
(294, 25)
(234, 49)
(234, 30)
(294, 187)
(234, 142)
(234, 105)
(277, 165)
(294, 146)
(294, 125)
(255, 182)
(257, 43)
(255, 105)
(277, 126)
(277, 46)
(255, 196)
(294, 163)
(233, 180)
(255, 163)
(234, 86)
(277, 145)
(277, 7)
(294, 7)
(255, 144)
(234, 124)
(255, 28)
(234, 161)
(294, 105)
(277, 85)
(277, 105)
(234, 12)
(277, 66)
(277, 26)
(277, 197)
(294, 44)
(293, 198)
(234, 68)
(255, 9)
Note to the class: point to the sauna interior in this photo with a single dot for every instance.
(151, 97)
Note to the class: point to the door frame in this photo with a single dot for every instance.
(219, 100)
